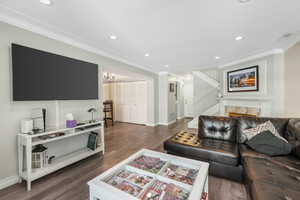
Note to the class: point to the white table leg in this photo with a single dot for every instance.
(206, 187)
(91, 195)
(28, 163)
(20, 157)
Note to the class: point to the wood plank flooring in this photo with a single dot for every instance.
(121, 141)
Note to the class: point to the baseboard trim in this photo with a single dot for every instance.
(167, 124)
(172, 122)
(8, 181)
(151, 125)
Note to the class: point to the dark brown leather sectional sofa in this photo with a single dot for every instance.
(222, 145)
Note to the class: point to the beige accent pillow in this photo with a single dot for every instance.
(267, 126)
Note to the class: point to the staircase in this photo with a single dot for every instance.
(206, 90)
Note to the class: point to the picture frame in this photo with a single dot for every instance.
(243, 80)
(172, 87)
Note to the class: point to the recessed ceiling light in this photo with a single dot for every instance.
(46, 2)
(147, 55)
(113, 37)
(244, 1)
(166, 66)
(217, 57)
(239, 38)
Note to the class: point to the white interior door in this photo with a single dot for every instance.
(131, 102)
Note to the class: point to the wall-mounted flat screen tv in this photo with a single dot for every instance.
(39, 75)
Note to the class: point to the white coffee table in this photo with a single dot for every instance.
(100, 190)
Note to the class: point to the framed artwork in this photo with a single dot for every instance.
(172, 87)
(243, 80)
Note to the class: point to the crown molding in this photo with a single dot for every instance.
(20, 20)
(163, 73)
(257, 56)
(293, 43)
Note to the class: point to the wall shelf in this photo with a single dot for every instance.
(41, 141)
(61, 162)
(27, 142)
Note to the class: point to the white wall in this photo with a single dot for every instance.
(188, 92)
(172, 102)
(180, 100)
(292, 81)
(106, 92)
(205, 94)
(270, 95)
(170, 108)
(12, 112)
(163, 98)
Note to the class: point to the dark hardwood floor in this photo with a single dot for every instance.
(121, 141)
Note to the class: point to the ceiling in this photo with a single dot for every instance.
(183, 34)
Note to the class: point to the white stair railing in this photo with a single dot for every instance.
(205, 103)
(207, 79)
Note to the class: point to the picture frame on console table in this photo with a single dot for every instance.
(243, 80)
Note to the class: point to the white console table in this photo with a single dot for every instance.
(27, 142)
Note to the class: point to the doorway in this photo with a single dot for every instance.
(131, 96)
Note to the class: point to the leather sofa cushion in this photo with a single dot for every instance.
(268, 143)
(263, 170)
(290, 162)
(266, 191)
(208, 150)
(252, 122)
(220, 128)
(246, 152)
(293, 135)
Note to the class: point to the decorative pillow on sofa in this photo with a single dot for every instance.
(266, 139)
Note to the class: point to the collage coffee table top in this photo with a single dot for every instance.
(153, 175)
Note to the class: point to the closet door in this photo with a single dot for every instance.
(139, 109)
(134, 101)
(131, 101)
(117, 102)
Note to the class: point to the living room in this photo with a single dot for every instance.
(217, 82)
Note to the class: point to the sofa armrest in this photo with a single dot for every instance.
(293, 135)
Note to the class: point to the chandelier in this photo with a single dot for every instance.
(109, 76)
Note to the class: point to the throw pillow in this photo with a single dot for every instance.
(265, 139)
(267, 126)
(267, 143)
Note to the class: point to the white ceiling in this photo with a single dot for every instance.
(184, 34)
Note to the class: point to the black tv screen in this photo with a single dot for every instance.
(39, 75)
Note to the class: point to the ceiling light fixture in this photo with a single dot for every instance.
(113, 37)
(239, 38)
(217, 57)
(46, 2)
(108, 76)
(147, 55)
